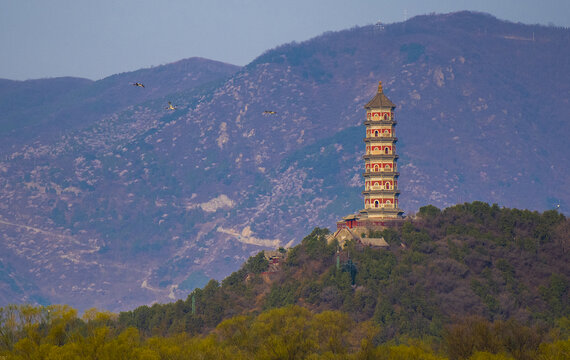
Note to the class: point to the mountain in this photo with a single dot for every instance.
(129, 203)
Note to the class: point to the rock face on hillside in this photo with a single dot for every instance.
(124, 202)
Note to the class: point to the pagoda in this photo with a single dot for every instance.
(380, 169)
(381, 192)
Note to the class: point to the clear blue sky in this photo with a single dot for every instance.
(98, 38)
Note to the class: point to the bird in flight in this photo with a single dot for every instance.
(269, 112)
(170, 106)
(138, 84)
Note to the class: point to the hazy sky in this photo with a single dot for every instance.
(98, 38)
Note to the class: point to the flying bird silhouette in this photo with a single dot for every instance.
(138, 84)
(170, 106)
(269, 112)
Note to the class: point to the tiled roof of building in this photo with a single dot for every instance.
(379, 242)
(380, 100)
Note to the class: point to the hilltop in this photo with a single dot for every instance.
(108, 199)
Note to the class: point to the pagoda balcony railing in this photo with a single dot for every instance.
(381, 171)
(371, 191)
(387, 122)
(381, 137)
(380, 156)
(380, 206)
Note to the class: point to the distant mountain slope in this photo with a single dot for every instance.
(23, 103)
(140, 203)
(36, 107)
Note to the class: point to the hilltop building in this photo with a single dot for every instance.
(381, 203)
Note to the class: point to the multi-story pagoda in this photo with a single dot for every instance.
(381, 205)
(380, 169)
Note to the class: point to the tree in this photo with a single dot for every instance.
(429, 211)
(257, 264)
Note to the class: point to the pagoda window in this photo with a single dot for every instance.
(376, 133)
(386, 150)
(375, 167)
(376, 203)
(388, 185)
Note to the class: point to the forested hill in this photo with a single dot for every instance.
(469, 280)
(470, 259)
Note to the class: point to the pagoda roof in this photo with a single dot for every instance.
(379, 100)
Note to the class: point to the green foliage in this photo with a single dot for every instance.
(475, 335)
(429, 211)
(281, 295)
(315, 244)
(557, 295)
(375, 267)
(291, 332)
(485, 293)
(414, 351)
(294, 333)
(391, 236)
(418, 239)
(257, 264)
(235, 281)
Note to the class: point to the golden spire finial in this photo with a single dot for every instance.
(379, 87)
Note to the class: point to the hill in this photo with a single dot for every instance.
(467, 260)
(135, 203)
